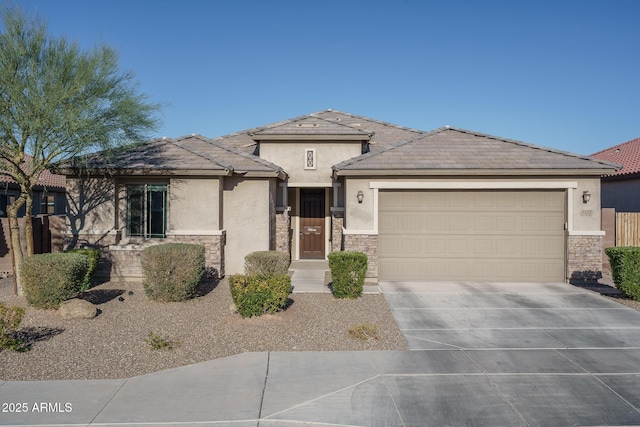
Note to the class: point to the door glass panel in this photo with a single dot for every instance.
(156, 218)
(147, 210)
(135, 210)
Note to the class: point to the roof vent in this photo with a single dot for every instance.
(617, 150)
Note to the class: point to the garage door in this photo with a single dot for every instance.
(506, 236)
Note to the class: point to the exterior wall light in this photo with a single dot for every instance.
(586, 196)
(360, 196)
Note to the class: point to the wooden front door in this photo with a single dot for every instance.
(312, 223)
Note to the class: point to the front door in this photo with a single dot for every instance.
(312, 223)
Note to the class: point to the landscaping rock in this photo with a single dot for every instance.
(77, 309)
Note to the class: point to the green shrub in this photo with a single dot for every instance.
(93, 257)
(49, 279)
(172, 271)
(348, 270)
(625, 269)
(10, 318)
(255, 295)
(266, 263)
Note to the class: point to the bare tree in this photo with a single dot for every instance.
(58, 101)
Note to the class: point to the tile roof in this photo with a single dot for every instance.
(47, 179)
(311, 126)
(458, 149)
(238, 160)
(193, 154)
(390, 147)
(626, 154)
(382, 134)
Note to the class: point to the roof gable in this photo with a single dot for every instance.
(236, 160)
(626, 154)
(310, 127)
(192, 154)
(457, 149)
(382, 134)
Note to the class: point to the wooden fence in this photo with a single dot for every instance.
(627, 228)
(47, 237)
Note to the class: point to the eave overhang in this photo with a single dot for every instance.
(143, 172)
(101, 172)
(470, 172)
(259, 174)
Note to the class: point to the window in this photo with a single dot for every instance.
(309, 158)
(147, 210)
(47, 205)
(5, 201)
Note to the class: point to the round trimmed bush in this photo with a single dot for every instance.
(348, 271)
(172, 271)
(93, 257)
(49, 279)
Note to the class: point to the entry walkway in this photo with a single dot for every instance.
(313, 276)
(310, 276)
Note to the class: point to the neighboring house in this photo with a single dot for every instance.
(48, 199)
(48, 196)
(449, 204)
(621, 190)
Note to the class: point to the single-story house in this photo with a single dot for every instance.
(621, 189)
(448, 204)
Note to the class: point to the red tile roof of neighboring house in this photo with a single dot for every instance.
(47, 179)
(627, 154)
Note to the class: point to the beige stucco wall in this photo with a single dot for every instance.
(90, 205)
(249, 205)
(194, 205)
(291, 157)
(585, 217)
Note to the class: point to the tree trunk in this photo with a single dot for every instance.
(12, 213)
(28, 223)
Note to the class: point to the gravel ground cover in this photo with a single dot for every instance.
(621, 299)
(112, 345)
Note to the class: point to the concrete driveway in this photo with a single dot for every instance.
(555, 354)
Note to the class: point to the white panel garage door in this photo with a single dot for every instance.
(505, 236)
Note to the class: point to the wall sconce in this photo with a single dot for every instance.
(360, 196)
(586, 196)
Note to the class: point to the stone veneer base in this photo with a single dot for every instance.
(584, 258)
(367, 243)
(122, 262)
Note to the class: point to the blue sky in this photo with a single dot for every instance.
(562, 74)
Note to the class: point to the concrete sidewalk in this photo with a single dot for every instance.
(395, 388)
